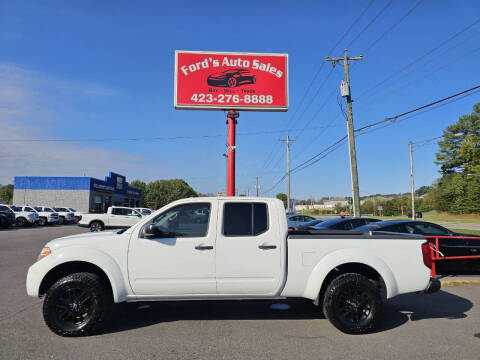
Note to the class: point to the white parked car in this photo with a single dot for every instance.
(240, 252)
(65, 216)
(46, 215)
(23, 218)
(116, 217)
(77, 215)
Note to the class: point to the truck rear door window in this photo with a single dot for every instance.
(245, 219)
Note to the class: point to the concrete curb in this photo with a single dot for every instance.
(446, 282)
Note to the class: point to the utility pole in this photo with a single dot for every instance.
(288, 141)
(345, 92)
(411, 181)
(257, 186)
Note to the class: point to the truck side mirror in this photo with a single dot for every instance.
(151, 231)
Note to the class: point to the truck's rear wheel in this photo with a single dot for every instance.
(61, 220)
(96, 226)
(76, 304)
(42, 221)
(352, 304)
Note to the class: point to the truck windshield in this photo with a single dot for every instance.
(61, 209)
(47, 210)
(16, 208)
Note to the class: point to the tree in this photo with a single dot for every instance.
(459, 151)
(140, 185)
(6, 193)
(282, 197)
(422, 190)
(161, 192)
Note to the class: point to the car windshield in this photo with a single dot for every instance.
(72, 209)
(47, 210)
(60, 209)
(146, 212)
(38, 208)
(16, 208)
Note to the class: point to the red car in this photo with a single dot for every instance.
(231, 78)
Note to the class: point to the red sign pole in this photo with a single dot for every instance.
(231, 121)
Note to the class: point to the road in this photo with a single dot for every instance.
(440, 326)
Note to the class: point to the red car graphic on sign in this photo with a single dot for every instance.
(231, 78)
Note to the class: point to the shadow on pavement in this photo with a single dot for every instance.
(416, 307)
(413, 307)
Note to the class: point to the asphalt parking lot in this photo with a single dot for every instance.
(445, 325)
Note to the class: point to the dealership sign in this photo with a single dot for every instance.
(241, 81)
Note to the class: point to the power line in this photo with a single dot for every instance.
(370, 23)
(396, 73)
(325, 152)
(276, 146)
(157, 138)
(393, 26)
(393, 118)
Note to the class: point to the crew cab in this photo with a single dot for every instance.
(117, 217)
(46, 215)
(238, 248)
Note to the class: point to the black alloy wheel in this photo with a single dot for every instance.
(96, 226)
(76, 304)
(353, 304)
(61, 220)
(20, 222)
(42, 221)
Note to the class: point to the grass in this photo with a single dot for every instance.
(467, 231)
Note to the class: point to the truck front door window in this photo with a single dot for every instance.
(189, 220)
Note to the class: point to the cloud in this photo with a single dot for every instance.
(27, 111)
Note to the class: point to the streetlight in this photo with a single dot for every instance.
(412, 187)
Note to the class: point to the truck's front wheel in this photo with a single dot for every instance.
(352, 304)
(75, 305)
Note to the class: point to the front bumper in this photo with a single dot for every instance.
(433, 286)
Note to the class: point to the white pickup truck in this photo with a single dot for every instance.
(230, 249)
(117, 217)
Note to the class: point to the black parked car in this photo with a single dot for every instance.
(449, 245)
(231, 78)
(339, 224)
(7, 216)
(418, 215)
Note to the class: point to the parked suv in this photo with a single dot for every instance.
(65, 216)
(46, 215)
(7, 216)
(23, 218)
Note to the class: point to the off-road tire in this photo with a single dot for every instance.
(353, 304)
(97, 300)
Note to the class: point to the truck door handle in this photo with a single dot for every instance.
(267, 247)
(204, 247)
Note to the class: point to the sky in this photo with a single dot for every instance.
(104, 70)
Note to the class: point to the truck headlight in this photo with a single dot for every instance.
(45, 251)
